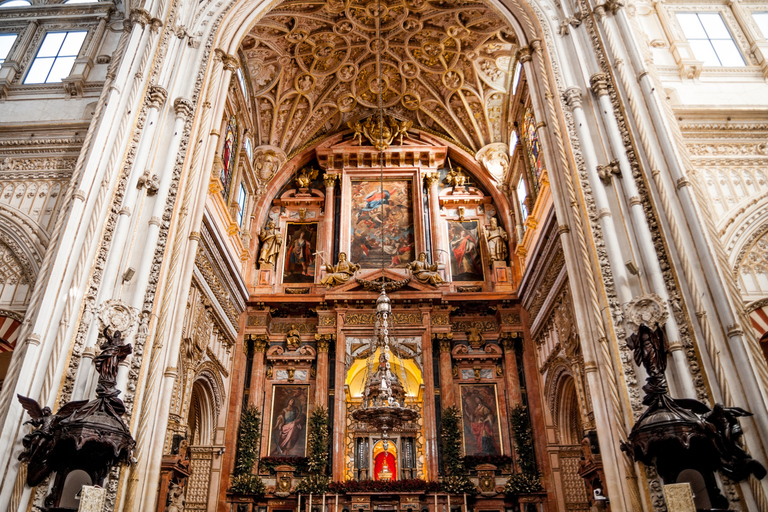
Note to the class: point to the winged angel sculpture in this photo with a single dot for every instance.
(83, 430)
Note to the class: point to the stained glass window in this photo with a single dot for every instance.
(228, 154)
(533, 149)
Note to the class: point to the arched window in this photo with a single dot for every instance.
(15, 3)
(241, 79)
(248, 148)
(533, 149)
(228, 154)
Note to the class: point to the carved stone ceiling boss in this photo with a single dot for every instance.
(444, 64)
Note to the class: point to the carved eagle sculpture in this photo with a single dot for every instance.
(40, 443)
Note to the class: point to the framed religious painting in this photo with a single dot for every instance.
(480, 419)
(374, 207)
(288, 421)
(300, 247)
(464, 251)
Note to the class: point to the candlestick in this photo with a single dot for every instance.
(309, 507)
(449, 503)
(298, 509)
(323, 508)
(337, 504)
(435, 502)
(465, 503)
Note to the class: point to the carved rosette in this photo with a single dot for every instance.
(115, 315)
(648, 309)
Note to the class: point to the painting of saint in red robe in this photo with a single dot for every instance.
(466, 262)
(480, 413)
(300, 253)
(288, 433)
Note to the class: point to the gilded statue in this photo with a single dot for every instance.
(456, 177)
(380, 132)
(271, 240)
(293, 338)
(496, 238)
(339, 273)
(424, 272)
(305, 177)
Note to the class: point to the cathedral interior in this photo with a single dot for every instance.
(383, 255)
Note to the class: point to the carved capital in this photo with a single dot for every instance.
(599, 84)
(431, 178)
(445, 341)
(324, 341)
(260, 342)
(507, 340)
(524, 54)
(572, 97)
(330, 180)
(140, 16)
(182, 107)
(157, 96)
(613, 6)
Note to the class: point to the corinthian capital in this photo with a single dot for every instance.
(157, 96)
(599, 84)
(572, 97)
(182, 107)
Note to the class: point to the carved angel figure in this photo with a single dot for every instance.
(39, 443)
(339, 273)
(271, 240)
(424, 272)
(496, 238)
(305, 177)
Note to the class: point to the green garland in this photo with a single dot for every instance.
(318, 448)
(529, 478)
(455, 479)
(248, 438)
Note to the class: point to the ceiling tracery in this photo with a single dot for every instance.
(445, 66)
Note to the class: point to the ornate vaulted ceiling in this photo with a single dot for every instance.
(445, 66)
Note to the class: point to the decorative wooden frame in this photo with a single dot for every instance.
(283, 402)
(497, 427)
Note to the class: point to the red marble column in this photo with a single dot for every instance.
(330, 180)
(339, 405)
(321, 379)
(439, 243)
(447, 398)
(511, 375)
(432, 436)
(258, 370)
